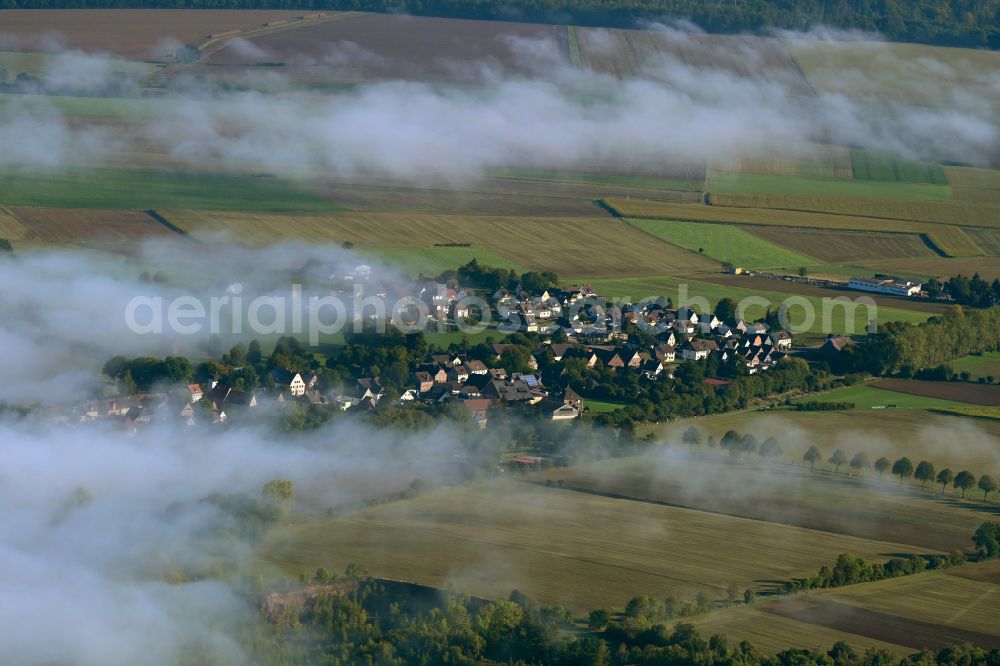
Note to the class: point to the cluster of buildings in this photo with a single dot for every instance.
(596, 333)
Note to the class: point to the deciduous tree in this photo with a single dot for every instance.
(924, 473)
(903, 468)
(944, 477)
(859, 463)
(964, 480)
(881, 465)
(987, 484)
(837, 459)
(812, 455)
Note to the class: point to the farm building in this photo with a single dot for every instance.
(887, 286)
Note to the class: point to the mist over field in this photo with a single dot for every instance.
(126, 546)
(103, 530)
(63, 314)
(549, 114)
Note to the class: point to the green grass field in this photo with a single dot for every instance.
(724, 243)
(871, 165)
(429, 261)
(727, 181)
(839, 321)
(123, 188)
(982, 365)
(602, 406)
(558, 546)
(869, 397)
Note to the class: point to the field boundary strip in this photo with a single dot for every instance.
(222, 39)
(573, 47)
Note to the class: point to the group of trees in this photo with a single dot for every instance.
(384, 623)
(903, 348)
(946, 373)
(975, 291)
(820, 406)
(952, 22)
(924, 471)
(683, 395)
(479, 276)
(849, 570)
(987, 540)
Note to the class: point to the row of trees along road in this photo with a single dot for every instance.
(924, 471)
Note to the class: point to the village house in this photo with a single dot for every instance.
(781, 339)
(696, 350)
(292, 380)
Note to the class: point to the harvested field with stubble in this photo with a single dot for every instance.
(370, 198)
(968, 184)
(565, 245)
(904, 614)
(973, 393)
(629, 53)
(940, 267)
(83, 226)
(710, 480)
(128, 33)
(496, 195)
(816, 162)
(949, 240)
(960, 213)
(833, 247)
(558, 546)
(914, 74)
(988, 239)
(388, 46)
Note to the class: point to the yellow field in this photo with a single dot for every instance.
(564, 245)
(10, 228)
(950, 240)
(974, 184)
(909, 73)
(978, 412)
(560, 547)
(899, 614)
